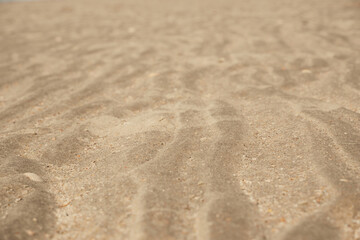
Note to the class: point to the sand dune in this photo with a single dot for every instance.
(180, 120)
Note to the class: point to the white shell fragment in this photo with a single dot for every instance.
(33, 177)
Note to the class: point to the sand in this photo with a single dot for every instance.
(161, 119)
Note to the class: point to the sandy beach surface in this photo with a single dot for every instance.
(154, 120)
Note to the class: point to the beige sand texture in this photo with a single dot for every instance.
(163, 119)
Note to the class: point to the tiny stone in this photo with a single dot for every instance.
(29, 232)
(306, 71)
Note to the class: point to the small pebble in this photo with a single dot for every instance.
(306, 71)
(29, 232)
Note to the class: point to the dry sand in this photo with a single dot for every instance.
(185, 119)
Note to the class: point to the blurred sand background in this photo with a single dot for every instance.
(185, 119)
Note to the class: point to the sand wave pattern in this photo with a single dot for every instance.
(160, 120)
